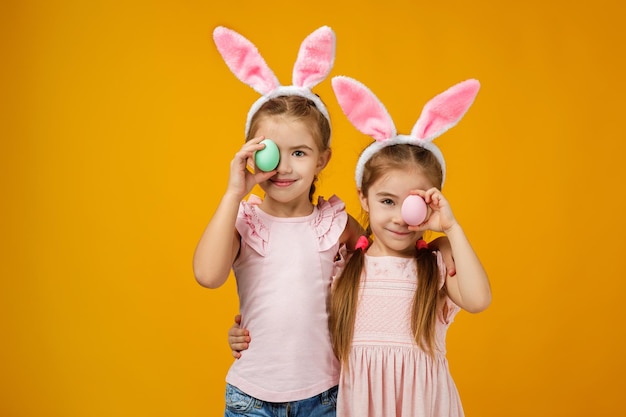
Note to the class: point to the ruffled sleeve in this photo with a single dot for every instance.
(330, 221)
(250, 226)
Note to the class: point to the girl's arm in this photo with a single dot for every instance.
(218, 245)
(469, 288)
(220, 241)
(351, 233)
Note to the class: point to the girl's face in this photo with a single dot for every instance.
(287, 192)
(383, 204)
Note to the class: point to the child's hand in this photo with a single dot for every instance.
(440, 217)
(238, 338)
(242, 180)
(442, 244)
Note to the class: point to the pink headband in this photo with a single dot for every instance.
(369, 116)
(313, 64)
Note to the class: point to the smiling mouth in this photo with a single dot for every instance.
(282, 183)
(399, 232)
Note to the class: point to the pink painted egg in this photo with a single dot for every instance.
(414, 210)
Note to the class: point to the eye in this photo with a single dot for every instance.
(387, 202)
(298, 153)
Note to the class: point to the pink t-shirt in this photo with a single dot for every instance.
(283, 273)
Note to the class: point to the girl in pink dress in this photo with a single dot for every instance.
(393, 302)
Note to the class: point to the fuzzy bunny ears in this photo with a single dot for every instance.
(370, 117)
(313, 64)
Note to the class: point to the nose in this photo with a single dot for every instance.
(397, 217)
(284, 167)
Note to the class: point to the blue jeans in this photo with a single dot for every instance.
(239, 404)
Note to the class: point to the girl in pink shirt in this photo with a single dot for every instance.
(282, 248)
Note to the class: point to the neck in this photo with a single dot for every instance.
(377, 249)
(275, 208)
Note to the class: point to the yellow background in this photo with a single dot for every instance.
(118, 120)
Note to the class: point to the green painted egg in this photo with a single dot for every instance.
(267, 158)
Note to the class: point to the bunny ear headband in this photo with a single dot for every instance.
(313, 64)
(370, 117)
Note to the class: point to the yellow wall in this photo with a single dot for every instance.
(118, 120)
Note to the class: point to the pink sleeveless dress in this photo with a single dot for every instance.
(388, 374)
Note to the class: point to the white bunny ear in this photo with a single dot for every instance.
(363, 108)
(315, 58)
(445, 110)
(244, 60)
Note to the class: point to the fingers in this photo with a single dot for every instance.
(260, 176)
(238, 347)
(236, 333)
(448, 260)
(238, 338)
(245, 159)
(420, 227)
(238, 344)
(432, 196)
(243, 176)
(248, 149)
(258, 139)
(428, 195)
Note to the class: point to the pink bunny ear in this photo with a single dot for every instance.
(363, 108)
(244, 60)
(445, 110)
(315, 58)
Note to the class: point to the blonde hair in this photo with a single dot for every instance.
(298, 108)
(427, 297)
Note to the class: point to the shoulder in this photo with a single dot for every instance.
(330, 208)
(333, 203)
(330, 221)
(251, 226)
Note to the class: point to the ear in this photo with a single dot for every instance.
(445, 110)
(323, 160)
(315, 58)
(244, 60)
(363, 201)
(363, 108)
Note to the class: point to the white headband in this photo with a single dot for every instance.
(313, 64)
(367, 113)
